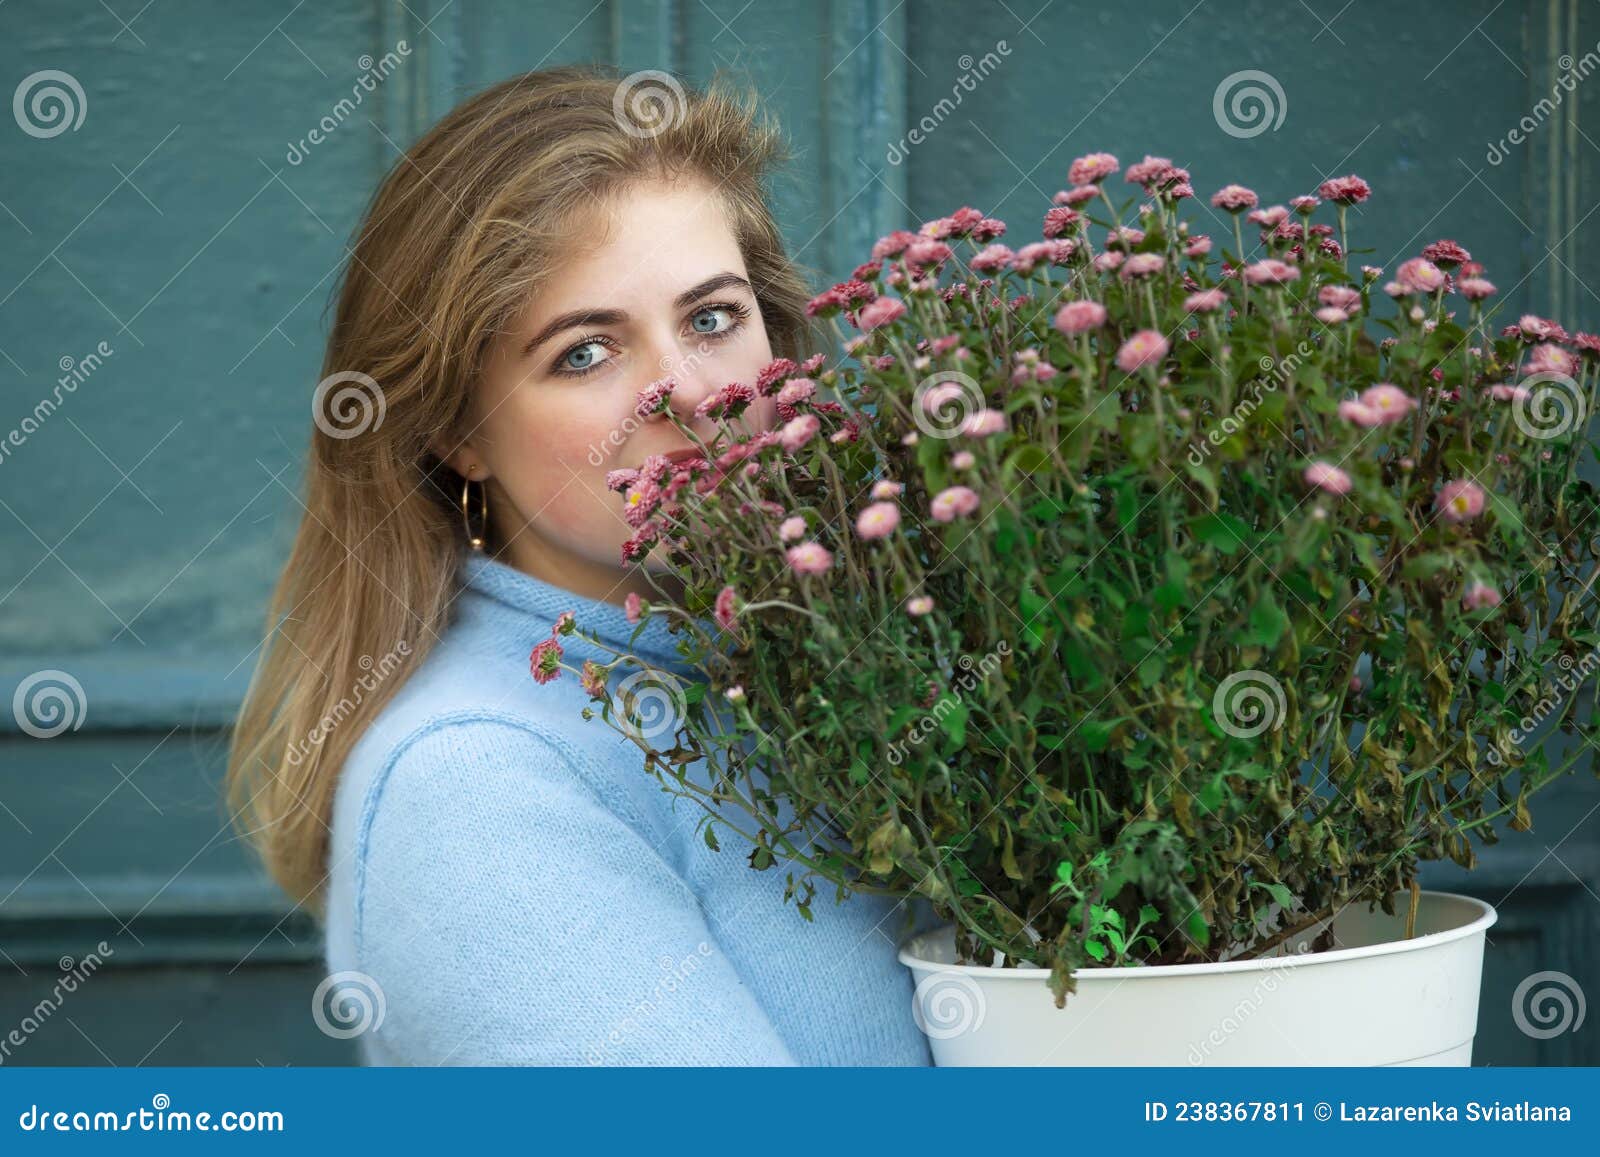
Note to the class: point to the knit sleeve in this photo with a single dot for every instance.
(509, 917)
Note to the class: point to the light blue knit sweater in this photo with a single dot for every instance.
(521, 891)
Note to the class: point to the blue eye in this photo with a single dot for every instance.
(710, 313)
(581, 358)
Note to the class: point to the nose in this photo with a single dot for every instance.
(694, 378)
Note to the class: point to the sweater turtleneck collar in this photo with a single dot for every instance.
(542, 603)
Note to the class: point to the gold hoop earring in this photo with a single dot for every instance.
(475, 540)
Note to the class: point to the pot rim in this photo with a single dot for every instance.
(1479, 924)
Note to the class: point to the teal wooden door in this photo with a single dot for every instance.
(180, 180)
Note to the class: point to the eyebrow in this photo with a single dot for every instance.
(595, 317)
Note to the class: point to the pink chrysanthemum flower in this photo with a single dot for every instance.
(1420, 275)
(621, 479)
(565, 624)
(1270, 272)
(983, 423)
(1477, 288)
(962, 460)
(810, 558)
(653, 398)
(1150, 172)
(1198, 247)
(794, 392)
(1078, 195)
(1109, 261)
(1351, 190)
(1205, 301)
(1479, 595)
(544, 661)
(723, 609)
(791, 528)
(1340, 297)
(1269, 218)
(1504, 393)
(1057, 221)
(1142, 265)
(880, 312)
(631, 606)
(1145, 348)
(884, 488)
(991, 258)
(1332, 315)
(1550, 359)
(953, 502)
(1235, 198)
(1327, 476)
(878, 520)
(1092, 168)
(798, 431)
(1446, 252)
(919, 604)
(1304, 205)
(1459, 500)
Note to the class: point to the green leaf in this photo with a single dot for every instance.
(954, 722)
(1097, 732)
(1223, 531)
(1279, 892)
(1095, 948)
(1267, 622)
(711, 839)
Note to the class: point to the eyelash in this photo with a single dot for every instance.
(739, 310)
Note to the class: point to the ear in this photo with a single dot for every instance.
(462, 457)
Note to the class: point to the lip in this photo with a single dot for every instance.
(677, 456)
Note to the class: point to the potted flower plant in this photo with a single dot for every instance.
(1152, 605)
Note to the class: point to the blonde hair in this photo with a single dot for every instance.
(462, 232)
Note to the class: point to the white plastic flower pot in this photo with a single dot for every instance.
(1375, 999)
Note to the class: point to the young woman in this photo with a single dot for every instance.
(502, 882)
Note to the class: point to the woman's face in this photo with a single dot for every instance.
(664, 294)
